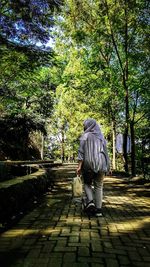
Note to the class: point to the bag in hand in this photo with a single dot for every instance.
(77, 187)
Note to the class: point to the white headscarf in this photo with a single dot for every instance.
(90, 126)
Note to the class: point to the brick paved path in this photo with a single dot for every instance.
(58, 234)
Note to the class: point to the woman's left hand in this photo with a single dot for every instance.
(78, 171)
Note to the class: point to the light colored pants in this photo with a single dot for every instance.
(97, 195)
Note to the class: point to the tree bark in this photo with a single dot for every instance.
(114, 145)
(125, 72)
(125, 153)
(62, 147)
(133, 168)
(42, 146)
(125, 84)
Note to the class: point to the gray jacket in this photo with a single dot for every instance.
(93, 152)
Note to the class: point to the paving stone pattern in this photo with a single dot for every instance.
(57, 233)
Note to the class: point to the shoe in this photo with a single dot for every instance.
(90, 207)
(98, 213)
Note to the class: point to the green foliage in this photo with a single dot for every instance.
(100, 70)
(26, 93)
(103, 59)
(26, 22)
(16, 142)
(24, 90)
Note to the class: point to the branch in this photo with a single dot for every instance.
(105, 57)
(113, 39)
(141, 117)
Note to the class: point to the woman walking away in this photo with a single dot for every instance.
(93, 163)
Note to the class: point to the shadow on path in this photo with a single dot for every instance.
(57, 233)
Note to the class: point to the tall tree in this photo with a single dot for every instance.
(117, 27)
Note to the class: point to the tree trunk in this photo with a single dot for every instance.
(133, 168)
(125, 155)
(62, 147)
(125, 73)
(42, 146)
(142, 160)
(125, 84)
(114, 145)
(125, 139)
